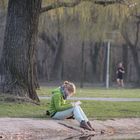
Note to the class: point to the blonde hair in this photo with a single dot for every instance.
(70, 86)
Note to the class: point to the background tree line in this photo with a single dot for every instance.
(66, 43)
(90, 25)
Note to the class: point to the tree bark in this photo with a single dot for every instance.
(19, 47)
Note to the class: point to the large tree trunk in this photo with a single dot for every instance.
(19, 47)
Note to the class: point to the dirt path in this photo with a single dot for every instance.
(38, 129)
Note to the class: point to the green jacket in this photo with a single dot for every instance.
(58, 103)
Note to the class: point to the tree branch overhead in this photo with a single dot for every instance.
(60, 4)
(74, 3)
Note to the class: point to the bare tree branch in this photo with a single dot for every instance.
(60, 4)
(74, 3)
(125, 36)
(50, 40)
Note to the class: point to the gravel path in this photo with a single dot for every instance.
(99, 99)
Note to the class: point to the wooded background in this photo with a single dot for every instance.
(72, 42)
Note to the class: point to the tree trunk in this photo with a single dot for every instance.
(94, 53)
(82, 66)
(133, 46)
(36, 83)
(58, 61)
(136, 61)
(19, 47)
(125, 59)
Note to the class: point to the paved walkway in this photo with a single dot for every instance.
(99, 99)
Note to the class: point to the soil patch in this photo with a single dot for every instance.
(37, 129)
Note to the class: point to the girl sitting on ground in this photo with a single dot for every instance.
(61, 110)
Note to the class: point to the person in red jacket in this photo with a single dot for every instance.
(60, 109)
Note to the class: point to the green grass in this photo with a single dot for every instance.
(11, 109)
(94, 92)
(108, 110)
(93, 109)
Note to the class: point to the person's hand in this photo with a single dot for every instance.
(76, 103)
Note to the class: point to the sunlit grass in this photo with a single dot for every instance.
(11, 109)
(93, 109)
(109, 110)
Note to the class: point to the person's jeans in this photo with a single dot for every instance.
(76, 111)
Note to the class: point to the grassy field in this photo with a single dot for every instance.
(23, 109)
(108, 110)
(94, 92)
(93, 109)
